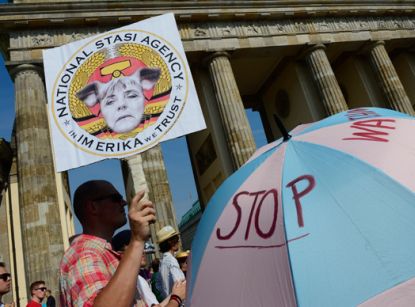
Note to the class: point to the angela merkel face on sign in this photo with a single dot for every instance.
(121, 99)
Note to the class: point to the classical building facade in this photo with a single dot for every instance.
(301, 60)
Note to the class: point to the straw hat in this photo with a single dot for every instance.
(182, 254)
(166, 233)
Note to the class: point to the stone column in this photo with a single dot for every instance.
(158, 186)
(325, 79)
(238, 132)
(39, 211)
(147, 172)
(391, 85)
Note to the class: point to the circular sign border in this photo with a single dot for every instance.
(142, 148)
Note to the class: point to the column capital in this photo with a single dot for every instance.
(309, 48)
(376, 43)
(214, 55)
(370, 45)
(15, 70)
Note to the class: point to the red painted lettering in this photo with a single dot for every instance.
(246, 199)
(238, 218)
(371, 134)
(297, 195)
(251, 213)
(262, 234)
(375, 123)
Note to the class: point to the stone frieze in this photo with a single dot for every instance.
(219, 30)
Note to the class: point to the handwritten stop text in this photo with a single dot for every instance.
(253, 203)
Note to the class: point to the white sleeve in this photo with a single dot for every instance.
(176, 272)
(145, 292)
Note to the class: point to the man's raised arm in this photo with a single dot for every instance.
(121, 289)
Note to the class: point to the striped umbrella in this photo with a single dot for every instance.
(323, 217)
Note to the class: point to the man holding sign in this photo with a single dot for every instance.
(91, 273)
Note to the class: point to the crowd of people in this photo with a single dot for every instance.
(40, 295)
(100, 269)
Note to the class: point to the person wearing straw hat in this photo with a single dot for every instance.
(181, 257)
(170, 272)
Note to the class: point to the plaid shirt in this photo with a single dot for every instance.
(86, 268)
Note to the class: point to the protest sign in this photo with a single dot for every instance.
(119, 93)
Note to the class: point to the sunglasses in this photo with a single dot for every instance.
(41, 289)
(116, 198)
(5, 276)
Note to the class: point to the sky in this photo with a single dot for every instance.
(176, 156)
